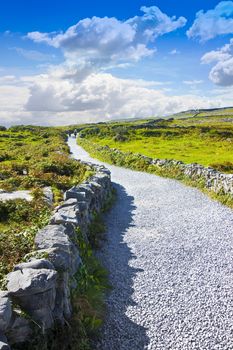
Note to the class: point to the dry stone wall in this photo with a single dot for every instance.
(41, 287)
(213, 179)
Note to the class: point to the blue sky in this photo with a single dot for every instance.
(64, 62)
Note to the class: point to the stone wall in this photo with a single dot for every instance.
(212, 179)
(40, 288)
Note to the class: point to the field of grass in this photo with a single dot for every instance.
(201, 139)
(31, 158)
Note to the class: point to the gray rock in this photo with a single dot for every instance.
(44, 317)
(30, 281)
(67, 203)
(65, 215)
(4, 346)
(81, 193)
(5, 196)
(53, 236)
(59, 237)
(48, 193)
(62, 310)
(5, 311)
(35, 264)
(20, 330)
(60, 258)
(38, 301)
(75, 193)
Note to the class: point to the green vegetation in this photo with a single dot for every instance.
(31, 158)
(88, 298)
(92, 285)
(204, 140)
(205, 137)
(35, 157)
(139, 162)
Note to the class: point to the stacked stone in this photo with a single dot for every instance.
(214, 180)
(41, 287)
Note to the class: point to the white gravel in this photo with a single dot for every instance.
(169, 251)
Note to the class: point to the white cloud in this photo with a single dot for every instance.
(215, 56)
(222, 72)
(49, 99)
(33, 55)
(154, 23)
(102, 96)
(80, 89)
(7, 79)
(212, 23)
(104, 40)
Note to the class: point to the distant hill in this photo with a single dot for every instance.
(204, 112)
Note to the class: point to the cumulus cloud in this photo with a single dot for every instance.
(154, 23)
(222, 72)
(103, 40)
(212, 23)
(80, 89)
(105, 96)
(49, 99)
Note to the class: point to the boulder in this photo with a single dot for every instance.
(60, 259)
(53, 236)
(37, 301)
(59, 237)
(30, 281)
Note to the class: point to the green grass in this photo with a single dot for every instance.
(138, 162)
(207, 141)
(31, 158)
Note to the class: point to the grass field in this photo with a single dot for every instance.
(31, 158)
(205, 139)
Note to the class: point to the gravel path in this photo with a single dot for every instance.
(170, 256)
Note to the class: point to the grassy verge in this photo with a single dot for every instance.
(139, 162)
(92, 282)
